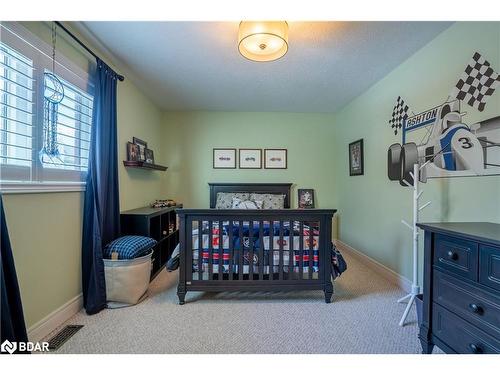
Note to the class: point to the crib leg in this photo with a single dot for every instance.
(328, 291)
(181, 298)
(181, 293)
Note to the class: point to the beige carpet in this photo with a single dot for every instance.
(363, 318)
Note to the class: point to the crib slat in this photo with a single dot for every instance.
(311, 250)
(281, 251)
(210, 251)
(301, 250)
(200, 250)
(271, 250)
(250, 250)
(231, 249)
(241, 253)
(261, 251)
(291, 254)
(221, 251)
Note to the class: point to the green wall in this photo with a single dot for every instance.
(189, 138)
(45, 232)
(138, 117)
(46, 228)
(370, 206)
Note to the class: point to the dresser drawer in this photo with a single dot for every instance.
(456, 255)
(489, 266)
(478, 307)
(461, 336)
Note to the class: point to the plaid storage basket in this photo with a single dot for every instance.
(127, 280)
(129, 247)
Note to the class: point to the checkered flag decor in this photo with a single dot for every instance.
(477, 83)
(399, 115)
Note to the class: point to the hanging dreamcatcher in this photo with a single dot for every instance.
(53, 95)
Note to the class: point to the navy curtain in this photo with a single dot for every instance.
(13, 327)
(101, 216)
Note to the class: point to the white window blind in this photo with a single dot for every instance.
(24, 60)
(16, 114)
(73, 130)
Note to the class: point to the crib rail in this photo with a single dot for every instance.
(227, 250)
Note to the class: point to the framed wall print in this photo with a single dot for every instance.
(275, 158)
(142, 145)
(132, 152)
(356, 167)
(250, 158)
(306, 198)
(150, 157)
(224, 158)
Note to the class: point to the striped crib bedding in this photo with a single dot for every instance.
(276, 241)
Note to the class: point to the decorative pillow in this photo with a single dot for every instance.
(270, 201)
(129, 247)
(225, 200)
(246, 205)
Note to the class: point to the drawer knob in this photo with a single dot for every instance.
(476, 349)
(452, 255)
(476, 309)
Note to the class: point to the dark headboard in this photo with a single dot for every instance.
(262, 188)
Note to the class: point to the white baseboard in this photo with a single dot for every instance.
(384, 271)
(42, 328)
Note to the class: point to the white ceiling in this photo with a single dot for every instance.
(196, 65)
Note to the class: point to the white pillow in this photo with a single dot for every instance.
(225, 200)
(246, 205)
(270, 201)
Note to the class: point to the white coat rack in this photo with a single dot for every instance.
(415, 288)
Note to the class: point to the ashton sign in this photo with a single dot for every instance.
(421, 119)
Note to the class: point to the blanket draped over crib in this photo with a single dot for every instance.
(248, 240)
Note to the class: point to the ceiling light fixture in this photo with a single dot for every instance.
(263, 40)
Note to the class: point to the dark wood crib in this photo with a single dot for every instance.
(297, 255)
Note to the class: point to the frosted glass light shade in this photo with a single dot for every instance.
(263, 40)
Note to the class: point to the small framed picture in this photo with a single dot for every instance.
(356, 158)
(275, 158)
(250, 158)
(149, 155)
(306, 198)
(224, 158)
(142, 148)
(132, 152)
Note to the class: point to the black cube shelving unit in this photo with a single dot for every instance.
(158, 223)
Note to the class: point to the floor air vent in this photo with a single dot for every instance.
(62, 336)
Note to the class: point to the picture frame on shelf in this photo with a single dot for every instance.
(149, 156)
(224, 158)
(250, 158)
(356, 158)
(143, 145)
(275, 158)
(132, 152)
(305, 198)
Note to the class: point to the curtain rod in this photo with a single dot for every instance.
(119, 76)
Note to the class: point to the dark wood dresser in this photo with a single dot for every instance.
(158, 223)
(461, 307)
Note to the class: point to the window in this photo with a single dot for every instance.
(16, 114)
(25, 128)
(74, 119)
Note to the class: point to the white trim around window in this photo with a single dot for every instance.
(40, 187)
